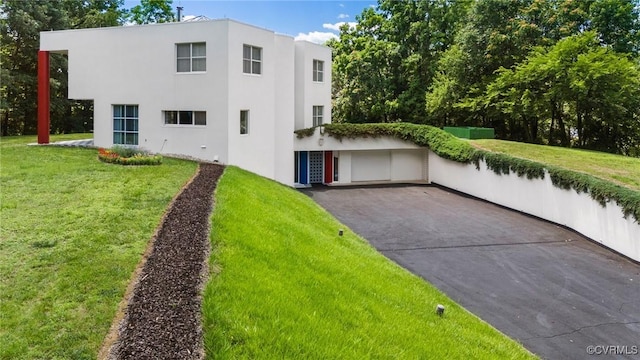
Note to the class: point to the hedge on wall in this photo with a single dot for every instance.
(449, 147)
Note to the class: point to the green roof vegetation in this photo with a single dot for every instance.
(621, 170)
(285, 285)
(449, 147)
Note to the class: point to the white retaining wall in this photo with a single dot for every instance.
(539, 197)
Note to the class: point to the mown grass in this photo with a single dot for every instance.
(285, 285)
(621, 170)
(72, 230)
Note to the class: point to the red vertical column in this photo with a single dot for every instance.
(328, 167)
(43, 97)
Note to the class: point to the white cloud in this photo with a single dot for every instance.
(341, 5)
(317, 37)
(336, 26)
(320, 37)
(343, 16)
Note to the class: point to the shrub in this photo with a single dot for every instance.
(128, 156)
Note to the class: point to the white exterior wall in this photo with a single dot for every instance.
(539, 197)
(285, 110)
(256, 93)
(308, 92)
(380, 159)
(136, 65)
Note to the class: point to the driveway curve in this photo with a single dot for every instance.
(559, 294)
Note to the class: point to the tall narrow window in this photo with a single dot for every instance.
(251, 60)
(125, 124)
(244, 122)
(317, 115)
(191, 57)
(318, 70)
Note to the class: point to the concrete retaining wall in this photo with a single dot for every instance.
(539, 197)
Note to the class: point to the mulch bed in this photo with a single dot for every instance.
(162, 319)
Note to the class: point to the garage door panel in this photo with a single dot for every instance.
(407, 165)
(374, 165)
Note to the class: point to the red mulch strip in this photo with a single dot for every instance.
(162, 319)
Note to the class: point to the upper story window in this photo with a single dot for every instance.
(185, 117)
(125, 124)
(318, 70)
(191, 57)
(317, 115)
(251, 60)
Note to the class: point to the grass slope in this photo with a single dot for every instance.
(285, 285)
(72, 230)
(622, 170)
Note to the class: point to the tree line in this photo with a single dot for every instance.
(21, 22)
(560, 72)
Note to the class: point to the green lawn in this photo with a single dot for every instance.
(285, 285)
(619, 169)
(72, 230)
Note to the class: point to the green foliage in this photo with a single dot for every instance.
(126, 155)
(383, 65)
(439, 141)
(599, 190)
(20, 26)
(73, 231)
(544, 72)
(285, 285)
(302, 133)
(449, 147)
(505, 164)
(152, 11)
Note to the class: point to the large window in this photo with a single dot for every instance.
(172, 117)
(318, 70)
(125, 124)
(251, 60)
(191, 57)
(244, 122)
(317, 115)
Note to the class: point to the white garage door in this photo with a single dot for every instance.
(371, 165)
(407, 165)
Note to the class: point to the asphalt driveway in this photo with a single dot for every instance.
(545, 286)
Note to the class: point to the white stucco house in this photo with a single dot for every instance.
(219, 90)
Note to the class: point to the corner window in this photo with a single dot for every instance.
(191, 57)
(185, 117)
(125, 124)
(318, 70)
(317, 115)
(251, 60)
(244, 122)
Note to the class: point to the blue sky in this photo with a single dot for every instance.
(315, 21)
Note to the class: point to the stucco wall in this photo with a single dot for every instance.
(539, 197)
(309, 92)
(136, 65)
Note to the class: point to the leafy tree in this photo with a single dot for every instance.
(493, 77)
(152, 11)
(383, 66)
(590, 93)
(20, 25)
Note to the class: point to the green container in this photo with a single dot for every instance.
(471, 132)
